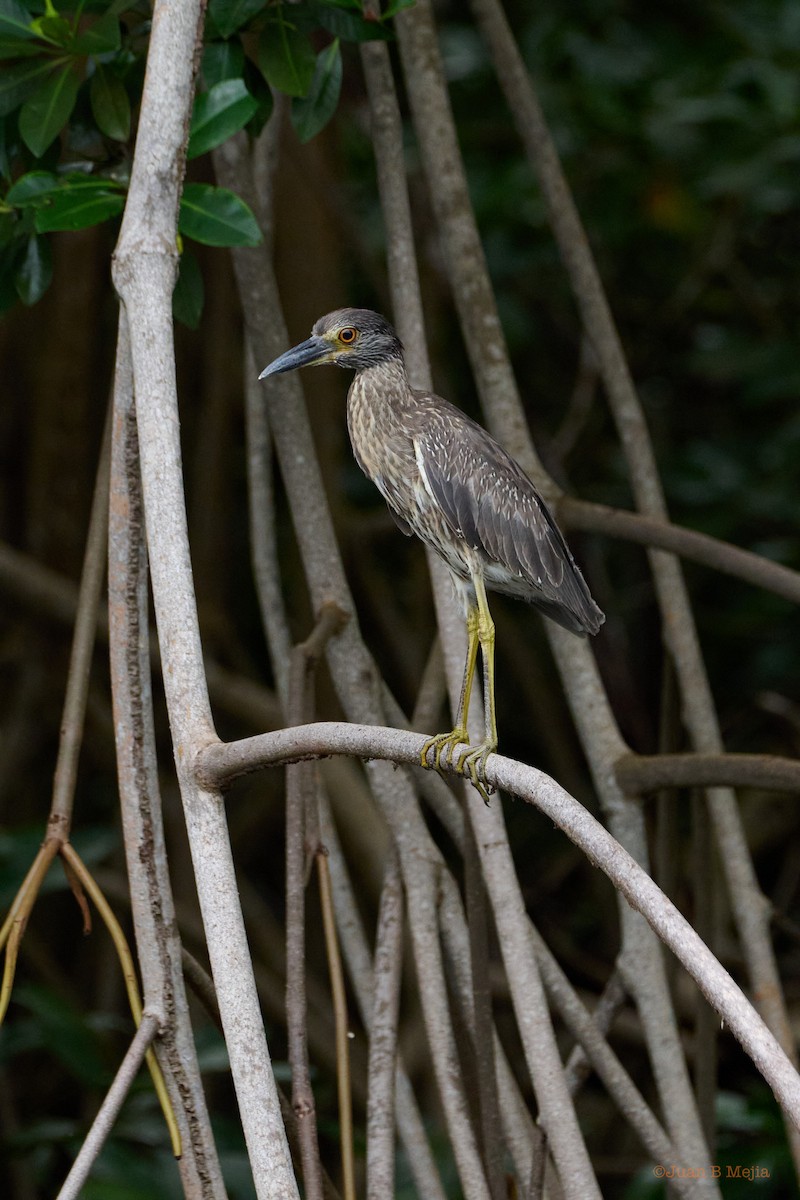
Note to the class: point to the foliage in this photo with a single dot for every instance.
(69, 95)
(678, 130)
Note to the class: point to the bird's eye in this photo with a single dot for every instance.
(348, 335)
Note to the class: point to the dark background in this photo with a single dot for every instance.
(679, 133)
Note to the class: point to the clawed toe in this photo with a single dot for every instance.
(472, 765)
(471, 762)
(442, 744)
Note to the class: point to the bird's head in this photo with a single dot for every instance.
(350, 337)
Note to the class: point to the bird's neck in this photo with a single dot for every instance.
(386, 383)
(376, 414)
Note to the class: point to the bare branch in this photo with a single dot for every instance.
(611, 1001)
(420, 55)
(54, 596)
(144, 275)
(353, 671)
(482, 1021)
(479, 319)
(109, 1109)
(300, 802)
(661, 534)
(72, 720)
(610, 1070)
(342, 1028)
(637, 773)
(152, 905)
(371, 742)
(680, 635)
(386, 976)
(354, 943)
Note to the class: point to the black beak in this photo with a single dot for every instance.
(313, 350)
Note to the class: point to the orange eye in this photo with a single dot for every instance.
(348, 336)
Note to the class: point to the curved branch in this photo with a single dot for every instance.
(648, 772)
(220, 763)
(688, 543)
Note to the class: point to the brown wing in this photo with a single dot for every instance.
(488, 501)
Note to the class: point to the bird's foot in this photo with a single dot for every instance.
(439, 744)
(471, 763)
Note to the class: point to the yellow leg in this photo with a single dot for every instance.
(459, 735)
(472, 762)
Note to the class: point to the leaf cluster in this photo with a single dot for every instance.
(69, 94)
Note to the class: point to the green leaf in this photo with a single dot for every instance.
(19, 81)
(286, 56)
(110, 104)
(35, 271)
(215, 217)
(222, 60)
(42, 118)
(12, 47)
(312, 113)
(15, 19)
(189, 294)
(79, 202)
(349, 25)
(218, 114)
(31, 188)
(230, 15)
(54, 29)
(101, 38)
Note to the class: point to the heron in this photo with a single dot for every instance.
(447, 480)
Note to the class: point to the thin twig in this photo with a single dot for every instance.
(705, 884)
(661, 534)
(421, 1161)
(109, 1109)
(535, 1188)
(483, 1024)
(131, 985)
(342, 1029)
(73, 716)
(14, 924)
(54, 596)
(299, 801)
(518, 1129)
(642, 773)
(611, 1071)
(386, 975)
(202, 985)
(604, 1013)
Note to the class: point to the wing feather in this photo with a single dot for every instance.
(489, 502)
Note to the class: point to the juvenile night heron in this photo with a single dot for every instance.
(446, 480)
